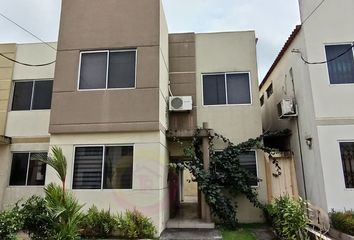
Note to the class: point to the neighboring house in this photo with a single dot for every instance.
(116, 67)
(315, 70)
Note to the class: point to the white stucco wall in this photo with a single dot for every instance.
(150, 168)
(28, 123)
(338, 196)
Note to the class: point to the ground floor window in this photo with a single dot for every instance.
(103, 167)
(347, 154)
(25, 171)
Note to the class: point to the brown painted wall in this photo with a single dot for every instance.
(182, 77)
(108, 24)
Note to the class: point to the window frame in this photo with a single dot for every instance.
(257, 170)
(32, 93)
(327, 70)
(226, 94)
(27, 170)
(102, 168)
(341, 162)
(107, 69)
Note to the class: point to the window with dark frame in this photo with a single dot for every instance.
(261, 100)
(269, 90)
(341, 69)
(226, 88)
(107, 69)
(347, 155)
(32, 95)
(26, 171)
(103, 167)
(248, 161)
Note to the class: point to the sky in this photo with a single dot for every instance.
(273, 21)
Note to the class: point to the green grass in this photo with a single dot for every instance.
(241, 234)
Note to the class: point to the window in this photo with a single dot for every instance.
(269, 90)
(262, 100)
(103, 167)
(32, 95)
(107, 69)
(25, 171)
(347, 154)
(248, 161)
(226, 88)
(340, 70)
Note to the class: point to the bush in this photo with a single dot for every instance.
(288, 217)
(36, 219)
(134, 225)
(343, 221)
(10, 223)
(97, 223)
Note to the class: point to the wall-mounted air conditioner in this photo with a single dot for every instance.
(180, 103)
(287, 108)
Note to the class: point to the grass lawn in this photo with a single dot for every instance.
(241, 234)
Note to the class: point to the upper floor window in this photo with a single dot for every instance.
(341, 69)
(269, 90)
(347, 154)
(107, 69)
(226, 88)
(25, 171)
(261, 100)
(32, 95)
(103, 167)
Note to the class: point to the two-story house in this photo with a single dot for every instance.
(315, 71)
(108, 106)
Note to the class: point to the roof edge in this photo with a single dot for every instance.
(281, 53)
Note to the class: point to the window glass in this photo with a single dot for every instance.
(36, 171)
(341, 70)
(19, 169)
(347, 153)
(248, 161)
(238, 88)
(121, 73)
(269, 90)
(22, 96)
(262, 100)
(214, 89)
(118, 169)
(42, 96)
(93, 70)
(88, 168)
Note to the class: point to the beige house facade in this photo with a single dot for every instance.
(315, 71)
(105, 102)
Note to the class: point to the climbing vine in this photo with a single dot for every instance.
(225, 178)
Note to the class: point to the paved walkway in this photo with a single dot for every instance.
(191, 234)
(263, 233)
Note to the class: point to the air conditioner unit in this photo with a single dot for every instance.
(180, 103)
(287, 108)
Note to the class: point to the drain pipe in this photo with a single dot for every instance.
(299, 141)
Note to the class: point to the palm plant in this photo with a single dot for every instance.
(63, 207)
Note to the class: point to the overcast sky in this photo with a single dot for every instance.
(273, 20)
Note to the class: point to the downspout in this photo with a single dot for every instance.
(299, 141)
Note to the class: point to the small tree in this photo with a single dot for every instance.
(64, 209)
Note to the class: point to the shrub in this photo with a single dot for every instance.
(97, 223)
(288, 217)
(135, 225)
(10, 223)
(343, 221)
(65, 212)
(36, 219)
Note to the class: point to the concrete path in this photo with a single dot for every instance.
(263, 233)
(191, 234)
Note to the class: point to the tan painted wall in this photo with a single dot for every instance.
(87, 25)
(6, 71)
(232, 52)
